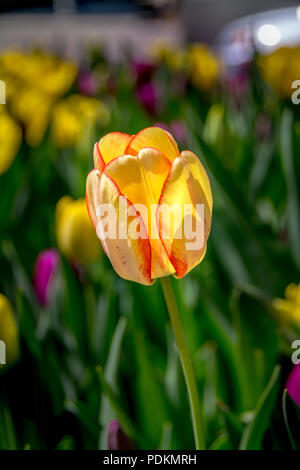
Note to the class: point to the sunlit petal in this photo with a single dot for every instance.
(154, 137)
(186, 184)
(113, 145)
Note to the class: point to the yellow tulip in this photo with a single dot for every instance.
(203, 67)
(34, 81)
(72, 115)
(37, 69)
(173, 56)
(75, 235)
(288, 308)
(32, 107)
(148, 170)
(10, 138)
(280, 69)
(8, 331)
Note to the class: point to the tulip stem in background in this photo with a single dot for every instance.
(186, 362)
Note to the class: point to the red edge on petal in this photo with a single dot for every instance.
(88, 202)
(167, 134)
(118, 133)
(99, 163)
(94, 222)
(114, 133)
(132, 137)
(148, 268)
(111, 161)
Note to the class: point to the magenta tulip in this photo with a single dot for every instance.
(293, 384)
(44, 271)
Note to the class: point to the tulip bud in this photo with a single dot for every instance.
(165, 194)
(9, 335)
(75, 235)
(116, 438)
(293, 384)
(44, 270)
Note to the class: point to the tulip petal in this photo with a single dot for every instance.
(196, 166)
(156, 138)
(131, 258)
(187, 184)
(91, 198)
(141, 180)
(98, 160)
(113, 145)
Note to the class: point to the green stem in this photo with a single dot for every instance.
(186, 363)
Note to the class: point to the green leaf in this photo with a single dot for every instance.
(120, 414)
(173, 371)
(221, 442)
(111, 368)
(224, 178)
(7, 431)
(254, 432)
(27, 324)
(66, 443)
(291, 416)
(233, 425)
(150, 399)
(75, 307)
(166, 437)
(288, 164)
(80, 409)
(261, 165)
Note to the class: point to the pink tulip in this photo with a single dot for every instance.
(44, 270)
(148, 96)
(293, 384)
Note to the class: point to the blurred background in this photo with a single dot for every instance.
(87, 359)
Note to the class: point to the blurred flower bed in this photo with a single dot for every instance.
(91, 361)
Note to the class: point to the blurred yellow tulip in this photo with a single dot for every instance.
(32, 107)
(72, 115)
(9, 334)
(75, 235)
(173, 56)
(44, 71)
(198, 62)
(10, 138)
(148, 172)
(203, 67)
(280, 69)
(34, 81)
(288, 308)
